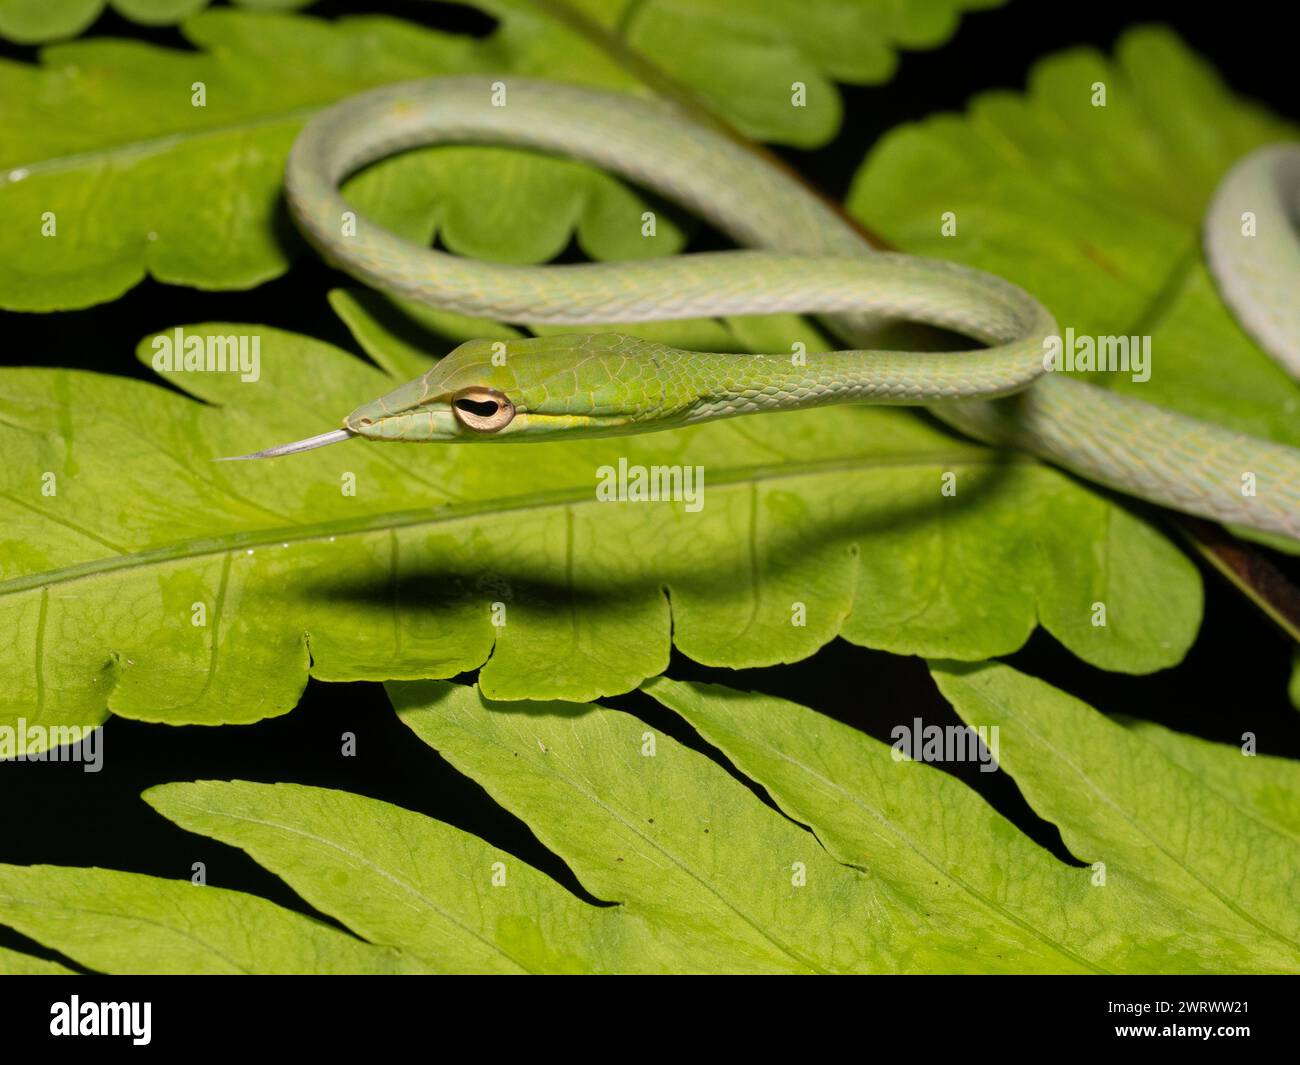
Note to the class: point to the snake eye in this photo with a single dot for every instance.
(484, 410)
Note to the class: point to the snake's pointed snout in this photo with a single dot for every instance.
(335, 436)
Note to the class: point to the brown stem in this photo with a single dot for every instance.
(1249, 570)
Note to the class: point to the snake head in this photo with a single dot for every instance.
(538, 388)
(514, 390)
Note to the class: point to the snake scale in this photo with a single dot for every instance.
(801, 257)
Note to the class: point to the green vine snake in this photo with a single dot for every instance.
(803, 258)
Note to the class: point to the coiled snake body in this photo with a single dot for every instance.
(806, 259)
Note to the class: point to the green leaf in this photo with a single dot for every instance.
(30, 21)
(651, 824)
(934, 848)
(104, 143)
(1097, 211)
(105, 138)
(1265, 786)
(403, 880)
(504, 205)
(1199, 828)
(129, 923)
(13, 963)
(401, 335)
(38, 21)
(742, 60)
(120, 531)
(862, 861)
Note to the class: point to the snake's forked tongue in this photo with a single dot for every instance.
(310, 444)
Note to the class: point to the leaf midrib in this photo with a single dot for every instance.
(561, 497)
(1103, 792)
(362, 861)
(556, 844)
(865, 805)
(153, 145)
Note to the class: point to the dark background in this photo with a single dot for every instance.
(1233, 680)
